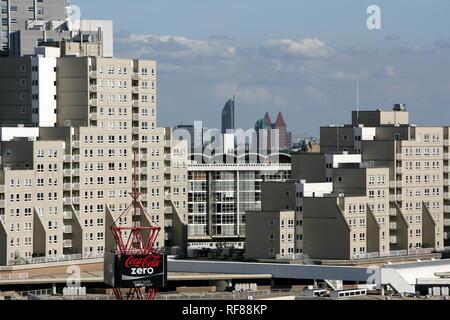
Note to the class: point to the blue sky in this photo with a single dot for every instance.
(296, 56)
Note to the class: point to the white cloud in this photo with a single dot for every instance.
(304, 48)
(174, 49)
(248, 94)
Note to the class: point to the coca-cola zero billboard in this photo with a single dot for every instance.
(131, 271)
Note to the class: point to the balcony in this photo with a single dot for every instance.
(446, 222)
(144, 157)
(135, 117)
(76, 186)
(67, 243)
(76, 144)
(393, 226)
(400, 170)
(76, 172)
(167, 157)
(67, 187)
(94, 116)
(393, 239)
(67, 172)
(76, 158)
(400, 184)
(144, 197)
(446, 169)
(76, 200)
(93, 88)
(167, 144)
(392, 184)
(392, 212)
(446, 235)
(67, 158)
(144, 184)
(67, 201)
(135, 103)
(399, 156)
(167, 183)
(168, 210)
(135, 144)
(446, 182)
(2, 203)
(392, 198)
(446, 143)
(135, 90)
(143, 170)
(2, 188)
(135, 130)
(67, 215)
(67, 229)
(135, 76)
(167, 197)
(93, 102)
(168, 223)
(446, 156)
(446, 209)
(167, 170)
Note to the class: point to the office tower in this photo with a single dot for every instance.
(272, 134)
(228, 116)
(219, 195)
(285, 137)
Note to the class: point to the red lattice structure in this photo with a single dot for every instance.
(136, 240)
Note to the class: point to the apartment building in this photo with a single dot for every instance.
(274, 233)
(219, 195)
(28, 89)
(343, 213)
(103, 120)
(388, 194)
(417, 158)
(19, 15)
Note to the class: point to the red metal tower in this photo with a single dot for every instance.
(137, 239)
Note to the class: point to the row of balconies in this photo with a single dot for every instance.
(74, 158)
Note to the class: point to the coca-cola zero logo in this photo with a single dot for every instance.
(150, 261)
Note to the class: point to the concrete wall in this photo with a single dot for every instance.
(326, 234)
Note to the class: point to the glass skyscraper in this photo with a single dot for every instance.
(228, 116)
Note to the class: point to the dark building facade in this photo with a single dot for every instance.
(228, 116)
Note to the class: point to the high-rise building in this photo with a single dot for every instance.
(228, 118)
(273, 135)
(378, 189)
(78, 127)
(28, 23)
(18, 15)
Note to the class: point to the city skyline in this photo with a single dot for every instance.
(299, 65)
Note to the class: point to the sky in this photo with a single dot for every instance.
(298, 57)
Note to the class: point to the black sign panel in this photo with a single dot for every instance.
(131, 271)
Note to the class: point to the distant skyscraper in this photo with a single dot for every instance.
(264, 127)
(228, 116)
